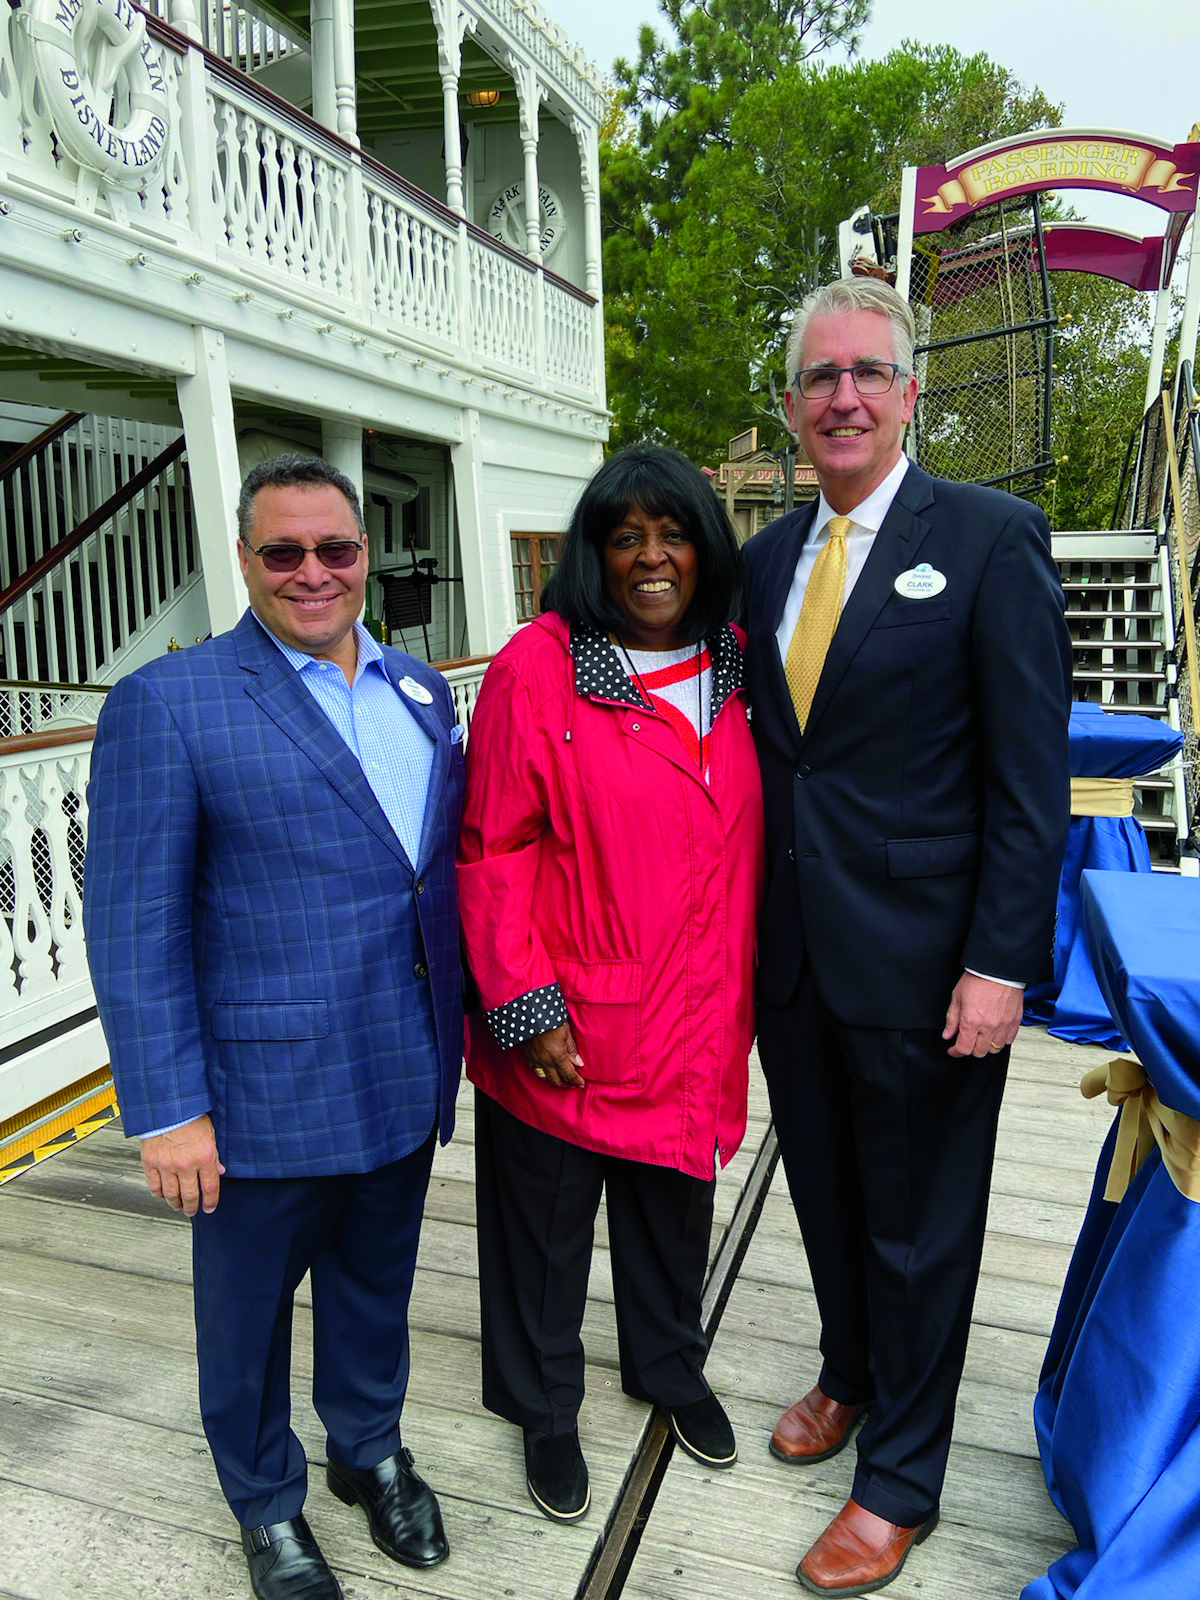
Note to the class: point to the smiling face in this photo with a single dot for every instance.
(650, 573)
(312, 609)
(852, 440)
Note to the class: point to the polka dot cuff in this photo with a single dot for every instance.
(527, 1016)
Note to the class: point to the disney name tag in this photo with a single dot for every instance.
(920, 583)
(418, 692)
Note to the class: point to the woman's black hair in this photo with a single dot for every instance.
(663, 484)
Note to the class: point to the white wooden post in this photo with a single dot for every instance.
(530, 95)
(345, 87)
(487, 629)
(588, 140)
(324, 78)
(452, 24)
(206, 402)
(342, 447)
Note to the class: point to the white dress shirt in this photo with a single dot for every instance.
(866, 519)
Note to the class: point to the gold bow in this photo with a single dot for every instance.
(1145, 1121)
(1101, 797)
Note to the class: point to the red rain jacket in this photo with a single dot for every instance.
(596, 867)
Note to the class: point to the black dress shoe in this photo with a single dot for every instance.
(402, 1510)
(286, 1563)
(704, 1431)
(556, 1475)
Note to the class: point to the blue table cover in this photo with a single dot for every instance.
(1102, 745)
(1118, 1410)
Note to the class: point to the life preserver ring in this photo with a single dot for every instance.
(104, 85)
(506, 218)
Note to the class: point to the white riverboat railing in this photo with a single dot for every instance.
(252, 188)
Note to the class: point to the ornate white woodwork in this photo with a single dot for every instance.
(570, 338)
(411, 265)
(43, 831)
(502, 309)
(452, 23)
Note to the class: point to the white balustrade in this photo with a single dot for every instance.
(40, 708)
(282, 199)
(502, 309)
(464, 680)
(570, 332)
(43, 831)
(411, 264)
(243, 34)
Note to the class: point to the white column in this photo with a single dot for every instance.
(530, 95)
(182, 16)
(487, 584)
(452, 24)
(587, 139)
(342, 447)
(345, 89)
(324, 80)
(206, 402)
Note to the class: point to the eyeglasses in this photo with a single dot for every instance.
(868, 377)
(336, 554)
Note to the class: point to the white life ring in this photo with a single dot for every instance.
(104, 85)
(506, 218)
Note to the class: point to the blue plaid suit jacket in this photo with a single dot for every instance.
(260, 944)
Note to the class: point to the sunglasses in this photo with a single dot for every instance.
(336, 554)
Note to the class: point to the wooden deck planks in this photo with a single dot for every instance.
(737, 1535)
(107, 1490)
(106, 1486)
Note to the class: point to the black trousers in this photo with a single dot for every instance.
(887, 1143)
(357, 1234)
(537, 1198)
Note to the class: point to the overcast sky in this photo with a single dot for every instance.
(1109, 63)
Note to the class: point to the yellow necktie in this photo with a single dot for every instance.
(819, 613)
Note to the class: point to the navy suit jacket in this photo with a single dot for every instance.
(261, 946)
(917, 826)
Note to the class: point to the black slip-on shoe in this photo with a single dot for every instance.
(402, 1510)
(286, 1563)
(704, 1431)
(556, 1475)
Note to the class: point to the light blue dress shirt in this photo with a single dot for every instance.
(391, 746)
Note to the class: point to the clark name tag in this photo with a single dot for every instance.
(920, 583)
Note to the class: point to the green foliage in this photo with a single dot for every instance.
(721, 198)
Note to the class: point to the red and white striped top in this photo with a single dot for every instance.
(678, 685)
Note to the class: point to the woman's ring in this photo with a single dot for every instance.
(994, 1048)
(539, 1072)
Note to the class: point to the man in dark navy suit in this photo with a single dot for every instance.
(273, 935)
(909, 669)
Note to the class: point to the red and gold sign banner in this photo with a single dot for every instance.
(1164, 176)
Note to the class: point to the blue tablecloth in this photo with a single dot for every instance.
(1118, 1411)
(1102, 745)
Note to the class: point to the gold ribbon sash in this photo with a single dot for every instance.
(1101, 797)
(1145, 1121)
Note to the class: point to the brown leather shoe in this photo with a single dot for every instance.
(814, 1429)
(858, 1553)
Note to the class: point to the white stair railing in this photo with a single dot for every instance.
(76, 622)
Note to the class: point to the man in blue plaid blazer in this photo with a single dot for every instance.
(273, 936)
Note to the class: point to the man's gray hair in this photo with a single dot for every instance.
(856, 294)
(293, 470)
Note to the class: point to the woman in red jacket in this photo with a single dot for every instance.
(610, 864)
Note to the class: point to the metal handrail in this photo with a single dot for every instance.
(58, 553)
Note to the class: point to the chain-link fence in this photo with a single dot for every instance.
(981, 297)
